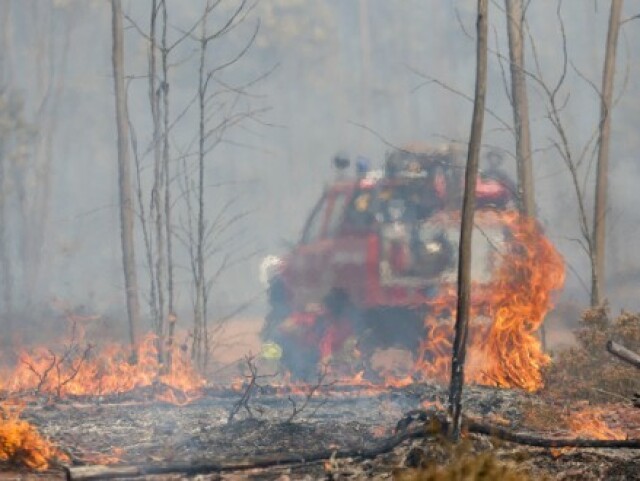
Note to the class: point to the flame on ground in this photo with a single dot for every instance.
(503, 346)
(86, 371)
(590, 423)
(21, 445)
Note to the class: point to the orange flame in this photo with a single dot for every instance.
(105, 371)
(22, 445)
(590, 423)
(503, 348)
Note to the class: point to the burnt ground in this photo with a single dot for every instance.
(131, 431)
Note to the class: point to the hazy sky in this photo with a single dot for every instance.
(339, 64)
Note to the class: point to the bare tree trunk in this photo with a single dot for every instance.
(199, 231)
(157, 191)
(520, 102)
(199, 276)
(146, 236)
(124, 176)
(520, 105)
(200, 283)
(600, 210)
(167, 182)
(466, 230)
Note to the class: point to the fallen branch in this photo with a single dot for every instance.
(403, 433)
(537, 441)
(475, 427)
(623, 353)
(96, 473)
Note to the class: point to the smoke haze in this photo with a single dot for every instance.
(338, 76)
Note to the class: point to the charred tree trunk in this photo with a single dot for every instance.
(600, 210)
(466, 230)
(124, 176)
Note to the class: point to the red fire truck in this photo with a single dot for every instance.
(374, 250)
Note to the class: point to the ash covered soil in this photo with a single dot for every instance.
(128, 431)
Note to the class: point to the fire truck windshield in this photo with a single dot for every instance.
(407, 201)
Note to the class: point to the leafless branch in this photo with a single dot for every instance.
(432, 80)
(189, 32)
(634, 17)
(42, 377)
(142, 213)
(462, 26)
(137, 28)
(503, 73)
(378, 136)
(64, 366)
(299, 409)
(252, 386)
(73, 371)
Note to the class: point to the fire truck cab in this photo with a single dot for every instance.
(373, 251)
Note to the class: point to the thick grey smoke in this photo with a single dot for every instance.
(344, 80)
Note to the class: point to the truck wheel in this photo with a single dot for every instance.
(390, 328)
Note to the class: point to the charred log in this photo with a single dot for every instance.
(99, 472)
(624, 354)
(536, 441)
(442, 422)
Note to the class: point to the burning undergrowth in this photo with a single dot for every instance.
(103, 408)
(79, 368)
(504, 348)
(160, 433)
(21, 445)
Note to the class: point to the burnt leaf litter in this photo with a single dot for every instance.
(141, 432)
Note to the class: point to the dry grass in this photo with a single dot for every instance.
(588, 371)
(465, 465)
(540, 416)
